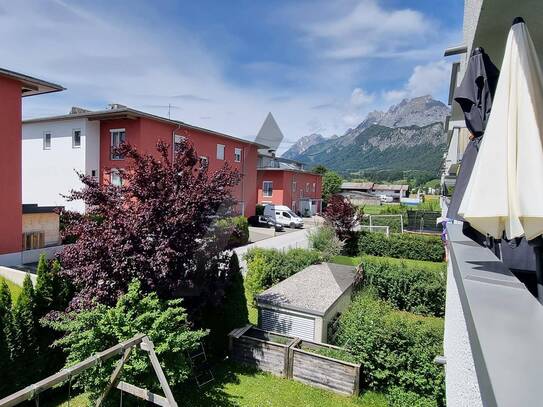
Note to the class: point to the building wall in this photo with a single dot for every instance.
(145, 133)
(289, 187)
(462, 386)
(10, 166)
(49, 174)
(43, 222)
(341, 304)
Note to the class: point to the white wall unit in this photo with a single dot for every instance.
(49, 174)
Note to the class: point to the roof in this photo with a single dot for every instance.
(122, 112)
(359, 195)
(313, 290)
(270, 134)
(390, 187)
(357, 185)
(289, 169)
(31, 86)
(34, 208)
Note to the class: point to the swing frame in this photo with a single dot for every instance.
(125, 348)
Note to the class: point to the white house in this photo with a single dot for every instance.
(54, 151)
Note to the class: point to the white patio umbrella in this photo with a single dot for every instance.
(505, 190)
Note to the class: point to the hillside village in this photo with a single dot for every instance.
(150, 258)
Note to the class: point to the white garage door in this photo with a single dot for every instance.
(288, 324)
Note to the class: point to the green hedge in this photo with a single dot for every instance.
(267, 267)
(403, 246)
(235, 229)
(394, 223)
(395, 348)
(408, 285)
(397, 397)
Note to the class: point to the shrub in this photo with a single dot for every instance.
(235, 229)
(340, 214)
(406, 246)
(325, 240)
(266, 267)
(408, 285)
(395, 348)
(397, 397)
(94, 330)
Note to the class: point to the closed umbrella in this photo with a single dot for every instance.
(504, 195)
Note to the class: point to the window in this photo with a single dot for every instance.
(76, 138)
(178, 142)
(307, 187)
(294, 186)
(47, 140)
(267, 187)
(204, 161)
(93, 173)
(33, 240)
(115, 178)
(117, 139)
(314, 187)
(220, 151)
(286, 215)
(237, 155)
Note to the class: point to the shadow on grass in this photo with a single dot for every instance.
(214, 393)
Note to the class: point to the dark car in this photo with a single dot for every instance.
(265, 222)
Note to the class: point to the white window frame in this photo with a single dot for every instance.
(237, 154)
(221, 150)
(73, 138)
(265, 190)
(177, 140)
(112, 173)
(112, 133)
(294, 187)
(314, 187)
(307, 187)
(45, 134)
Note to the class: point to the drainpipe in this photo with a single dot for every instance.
(243, 181)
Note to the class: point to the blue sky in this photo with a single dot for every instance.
(319, 66)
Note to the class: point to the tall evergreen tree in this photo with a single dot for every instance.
(6, 384)
(25, 341)
(44, 287)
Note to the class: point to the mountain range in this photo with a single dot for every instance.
(408, 136)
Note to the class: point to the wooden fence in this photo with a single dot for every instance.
(295, 359)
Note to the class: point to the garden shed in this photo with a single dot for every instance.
(305, 304)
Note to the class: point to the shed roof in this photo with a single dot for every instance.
(357, 185)
(314, 290)
(390, 187)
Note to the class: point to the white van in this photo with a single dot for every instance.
(283, 215)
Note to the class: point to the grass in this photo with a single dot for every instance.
(356, 260)
(13, 288)
(240, 386)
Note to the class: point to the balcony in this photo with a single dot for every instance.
(493, 330)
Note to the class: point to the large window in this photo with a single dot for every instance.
(115, 178)
(314, 187)
(307, 187)
(47, 140)
(237, 155)
(294, 186)
(204, 161)
(33, 240)
(117, 139)
(267, 188)
(220, 151)
(76, 138)
(178, 142)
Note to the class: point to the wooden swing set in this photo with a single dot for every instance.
(33, 391)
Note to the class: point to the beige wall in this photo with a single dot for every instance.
(43, 222)
(341, 304)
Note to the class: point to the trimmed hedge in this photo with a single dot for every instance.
(267, 267)
(395, 348)
(236, 230)
(408, 285)
(404, 246)
(398, 397)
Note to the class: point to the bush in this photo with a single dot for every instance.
(405, 246)
(266, 267)
(259, 211)
(94, 330)
(413, 286)
(395, 348)
(340, 214)
(236, 230)
(325, 240)
(397, 397)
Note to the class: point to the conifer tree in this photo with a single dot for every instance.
(44, 287)
(6, 384)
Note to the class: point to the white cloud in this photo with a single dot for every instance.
(360, 98)
(429, 79)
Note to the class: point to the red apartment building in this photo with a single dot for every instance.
(286, 182)
(98, 132)
(13, 86)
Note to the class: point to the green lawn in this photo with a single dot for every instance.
(13, 288)
(355, 261)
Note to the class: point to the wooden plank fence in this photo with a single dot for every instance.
(261, 349)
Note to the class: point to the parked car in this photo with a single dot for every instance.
(283, 215)
(265, 222)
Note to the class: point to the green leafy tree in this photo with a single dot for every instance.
(331, 184)
(319, 169)
(25, 342)
(165, 322)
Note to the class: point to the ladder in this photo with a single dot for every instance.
(200, 366)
